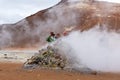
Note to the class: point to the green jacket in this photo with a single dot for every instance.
(50, 39)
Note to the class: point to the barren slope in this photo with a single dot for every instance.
(33, 30)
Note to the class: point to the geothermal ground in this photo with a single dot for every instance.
(12, 68)
(15, 56)
(14, 71)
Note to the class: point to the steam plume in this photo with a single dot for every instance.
(95, 49)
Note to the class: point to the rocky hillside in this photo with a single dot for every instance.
(67, 14)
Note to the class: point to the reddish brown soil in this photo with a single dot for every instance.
(13, 71)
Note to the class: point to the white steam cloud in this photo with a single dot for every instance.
(98, 50)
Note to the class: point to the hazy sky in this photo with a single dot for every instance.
(12, 11)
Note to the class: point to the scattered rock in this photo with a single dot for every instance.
(46, 58)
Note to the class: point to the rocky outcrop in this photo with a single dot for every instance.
(46, 58)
